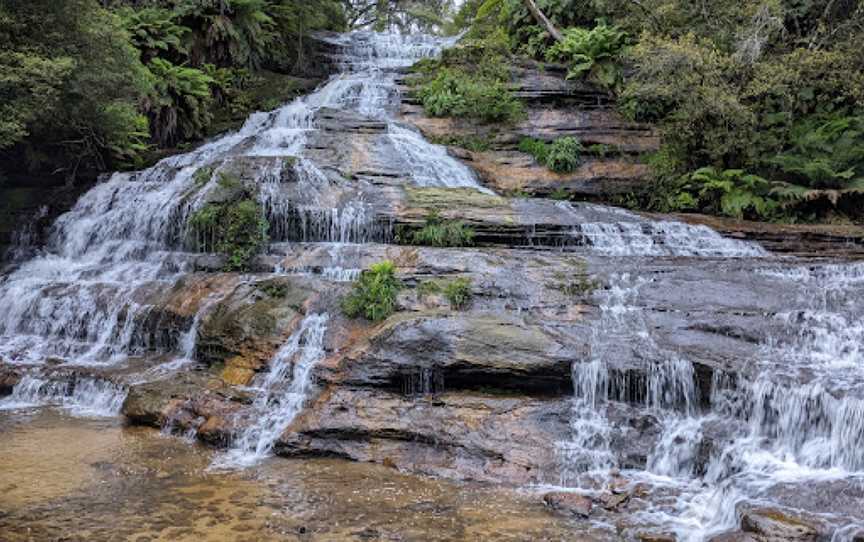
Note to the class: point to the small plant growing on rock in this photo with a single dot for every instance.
(428, 288)
(458, 293)
(565, 155)
(536, 148)
(442, 233)
(235, 228)
(374, 294)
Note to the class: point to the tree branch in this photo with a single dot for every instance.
(543, 20)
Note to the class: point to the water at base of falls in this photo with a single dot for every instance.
(283, 392)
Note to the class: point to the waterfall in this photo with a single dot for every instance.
(80, 396)
(282, 393)
(798, 417)
(87, 298)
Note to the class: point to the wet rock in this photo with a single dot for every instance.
(777, 525)
(656, 537)
(473, 352)
(455, 435)
(246, 327)
(9, 376)
(613, 501)
(735, 536)
(569, 503)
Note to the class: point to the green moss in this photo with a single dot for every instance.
(274, 288)
(428, 288)
(202, 176)
(560, 194)
(579, 284)
(236, 229)
(441, 199)
(373, 295)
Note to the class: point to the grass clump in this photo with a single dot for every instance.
(374, 294)
(458, 293)
(577, 285)
(441, 233)
(563, 155)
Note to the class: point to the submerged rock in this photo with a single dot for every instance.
(769, 524)
(569, 503)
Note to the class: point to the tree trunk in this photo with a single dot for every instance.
(543, 20)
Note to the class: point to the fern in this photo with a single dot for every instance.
(591, 53)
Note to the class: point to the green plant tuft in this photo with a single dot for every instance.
(441, 233)
(236, 229)
(458, 292)
(563, 155)
(374, 294)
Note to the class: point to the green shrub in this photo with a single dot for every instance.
(458, 293)
(454, 92)
(591, 53)
(563, 155)
(442, 233)
(731, 192)
(374, 294)
(236, 229)
(536, 148)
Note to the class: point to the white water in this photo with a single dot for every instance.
(88, 397)
(282, 394)
(650, 238)
(798, 419)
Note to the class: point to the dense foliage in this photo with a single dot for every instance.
(470, 81)
(759, 103)
(373, 295)
(87, 86)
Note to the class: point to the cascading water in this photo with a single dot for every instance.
(280, 398)
(79, 395)
(88, 297)
(797, 418)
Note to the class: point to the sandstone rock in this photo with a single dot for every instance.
(471, 436)
(569, 503)
(776, 525)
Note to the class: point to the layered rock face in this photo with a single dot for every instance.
(555, 107)
(671, 382)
